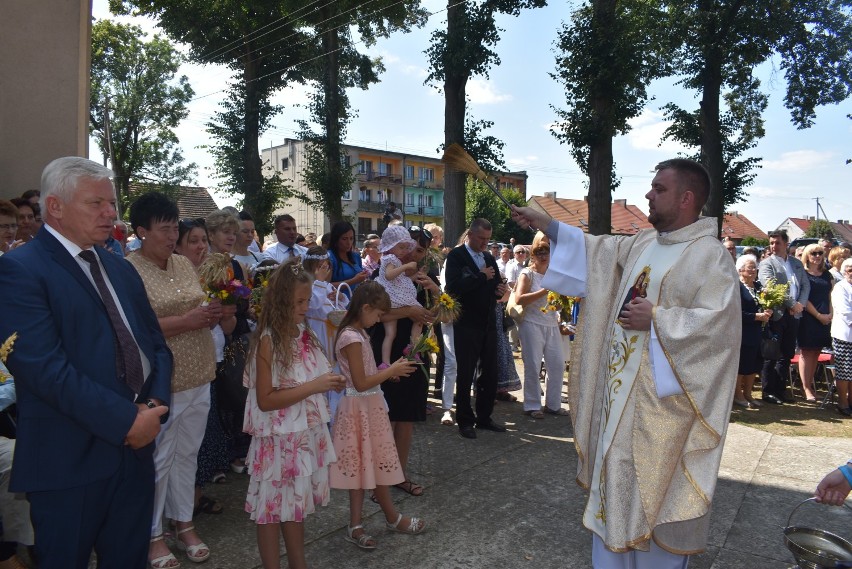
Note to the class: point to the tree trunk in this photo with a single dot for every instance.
(709, 120)
(331, 94)
(600, 151)
(252, 164)
(455, 107)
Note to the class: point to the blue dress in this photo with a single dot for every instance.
(343, 271)
(812, 333)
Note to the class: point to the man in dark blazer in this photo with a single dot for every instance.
(93, 378)
(784, 269)
(472, 276)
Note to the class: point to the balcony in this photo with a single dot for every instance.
(424, 210)
(374, 207)
(378, 177)
(436, 184)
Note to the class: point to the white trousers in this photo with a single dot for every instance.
(450, 367)
(656, 558)
(14, 508)
(176, 457)
(538, 341)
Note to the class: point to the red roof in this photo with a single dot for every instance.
(842, 231)
(626, 219)
(737, 227)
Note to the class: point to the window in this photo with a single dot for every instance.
(347, 195)
(285, 163)
(385, 169)
(365, 195)
(409, 172)
(345, 161)
(409, 199)
(365, 167)
(424, 201)
(507, 185)
(426, 174)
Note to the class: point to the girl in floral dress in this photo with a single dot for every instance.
(363, 439)
(286, 414)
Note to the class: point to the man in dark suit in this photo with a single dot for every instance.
(473, 277)
(784, 269)
(92, 373)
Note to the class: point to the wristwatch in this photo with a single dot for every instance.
(151, 404)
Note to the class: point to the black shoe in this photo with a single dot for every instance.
(844, 411)
(492, 426)
(786, 399)
(467, 432)
(769, 398)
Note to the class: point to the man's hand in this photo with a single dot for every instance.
(489, 272)
(420, 315)
(796, 309)
(502, 288)
(637, 314)
(528, 217)
(833, 489)
(145, 427)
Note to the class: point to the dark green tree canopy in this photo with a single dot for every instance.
(135, 82)
(480, 201)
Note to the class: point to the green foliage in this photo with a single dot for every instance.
(741, 127)
(480, 201)
(721, 42)
(604, 61)
(754, 242)
(820, 228)
(136, 79)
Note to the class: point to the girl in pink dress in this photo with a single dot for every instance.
(286, 414)
(363, 439)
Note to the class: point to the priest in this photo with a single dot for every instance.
(653, 370)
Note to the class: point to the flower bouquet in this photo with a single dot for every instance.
(447, 309)
(5, 350)
(217, 279)
(772, 297)
(261, 281)
(422, 349)
(561, 304)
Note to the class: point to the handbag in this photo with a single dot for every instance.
(770, 345)
(515, 310)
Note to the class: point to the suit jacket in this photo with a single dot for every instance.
(73, 412)
(476, 293)
(773, 268)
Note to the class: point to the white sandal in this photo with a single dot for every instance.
(415, 526)
(362, 541)
(192, 550)
(165, 561)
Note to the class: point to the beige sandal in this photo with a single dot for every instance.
(168, 561)
(192, 550)
(415, 526)
(363, 541)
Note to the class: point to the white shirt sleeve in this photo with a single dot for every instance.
(567, 273)
(664, 377)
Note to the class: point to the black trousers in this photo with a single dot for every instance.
(474, 345)
(773, 376)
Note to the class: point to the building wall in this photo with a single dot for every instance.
(45, 48)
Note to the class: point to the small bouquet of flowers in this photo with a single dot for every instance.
(447, 309)
(561, 304)
(261, 281)
(5, 350)
(422, 349)
(217, 279)
(773, 295)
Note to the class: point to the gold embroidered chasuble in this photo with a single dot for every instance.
(650, 462)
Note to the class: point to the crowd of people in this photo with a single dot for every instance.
(813, 319)
(138, 382)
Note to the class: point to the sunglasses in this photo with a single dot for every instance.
(426, 234)
(188, 223)
(817, 253)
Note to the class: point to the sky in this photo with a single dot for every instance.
(403, 114)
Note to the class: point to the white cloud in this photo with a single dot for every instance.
(483, 92)
(798, 160)
(647, 132)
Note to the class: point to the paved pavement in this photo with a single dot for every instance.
(509, 501)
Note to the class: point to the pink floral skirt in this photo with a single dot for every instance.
(364, 445)
(289, 475)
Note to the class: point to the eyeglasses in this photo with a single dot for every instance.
(423, 232)
(542, 253)
(8, 226)
(520, 252)
(817, 253)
